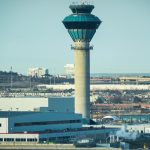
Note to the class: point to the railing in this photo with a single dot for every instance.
(81, 48)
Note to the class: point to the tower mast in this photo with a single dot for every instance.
(11, 77)
(82, 26)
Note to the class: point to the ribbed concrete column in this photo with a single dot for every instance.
(82, 79)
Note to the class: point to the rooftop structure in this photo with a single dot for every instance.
(36, 72)
(82, 26)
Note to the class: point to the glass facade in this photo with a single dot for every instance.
(81, 34)
(81, 24)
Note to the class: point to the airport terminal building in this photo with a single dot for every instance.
(49, 119)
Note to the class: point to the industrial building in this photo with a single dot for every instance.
(37, 72)
(53, 119)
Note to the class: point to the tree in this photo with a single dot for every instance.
(100, 100)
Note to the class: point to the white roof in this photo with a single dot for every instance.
(111, 117)
(98, 87)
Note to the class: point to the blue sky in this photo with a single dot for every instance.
(32, 35)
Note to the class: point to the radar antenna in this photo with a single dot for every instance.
(83, 1)
(86, 2)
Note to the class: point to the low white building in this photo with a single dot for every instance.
(36, 72)
(19, 137)
(69, 70)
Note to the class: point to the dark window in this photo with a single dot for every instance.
(18, 140)
(23, 140)
(1, 139)
(0, 124)
(8, 139)
(46, 123)
(30, 140)
(12, 139)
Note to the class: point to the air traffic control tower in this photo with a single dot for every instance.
(82, 26)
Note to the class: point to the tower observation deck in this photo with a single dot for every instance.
(82, 26)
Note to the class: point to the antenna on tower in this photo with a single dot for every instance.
(86, 2)
(11, 76)
(83, 2)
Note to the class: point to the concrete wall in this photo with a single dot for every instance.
(82, 79)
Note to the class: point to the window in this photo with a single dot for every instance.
(23, 140)
(11, 139)
(18, 140)
(30, 140)
(8, 139)
(1, 139)
(46, 123)
(0, 124)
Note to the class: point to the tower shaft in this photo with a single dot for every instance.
(82, 79)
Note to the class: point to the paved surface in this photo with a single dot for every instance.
(48, 146)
